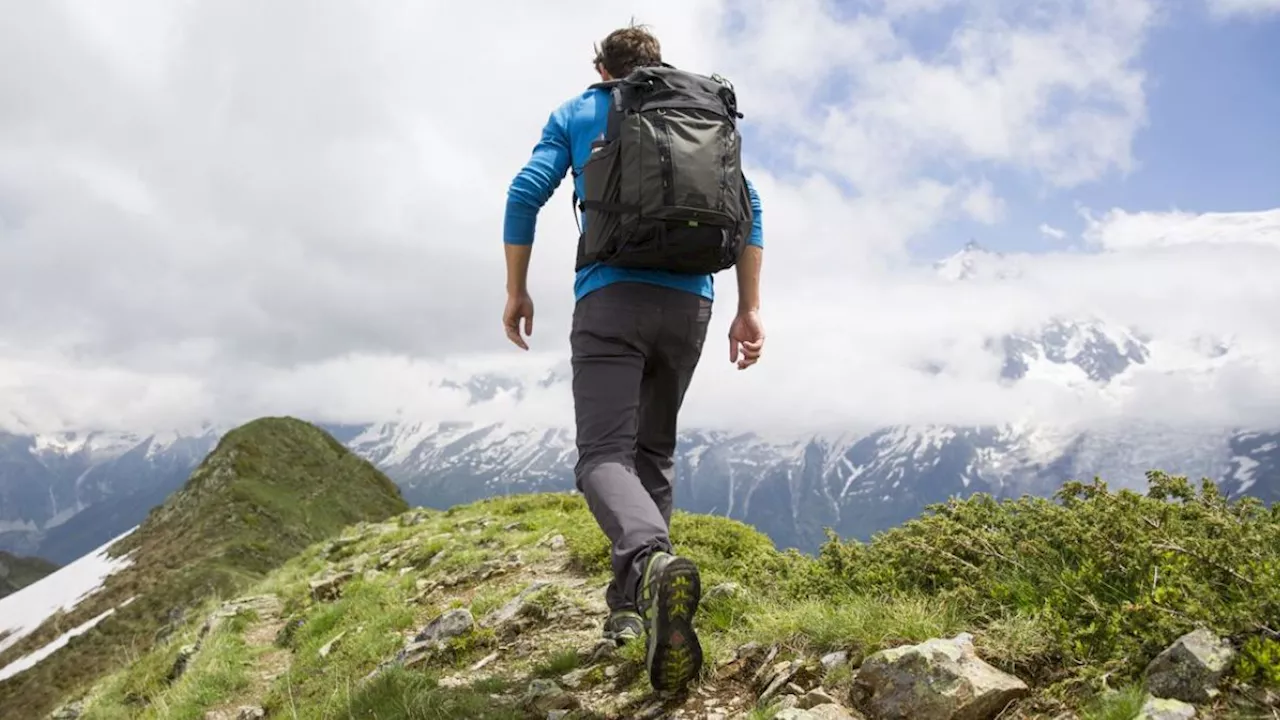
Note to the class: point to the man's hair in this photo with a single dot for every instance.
(626, 49)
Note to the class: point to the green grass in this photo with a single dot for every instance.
(1121, 704)
(143, 691)
(406, 695)
(1054, 592)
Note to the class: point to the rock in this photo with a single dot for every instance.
(185, 653)
(543, 696)
(251, 713)
(788, 702)
(70, 711)
(764, 664)
(557, 714)
(779, 676)
(330, 588)
(415, 517)
(449, 625)
(484, 661)
(723, 591)
(508, 612)
(835, 659)
(814, 698)
(603, 649)
(1190, 668)
(328, 647)
(1161, 709)
(940, 679)
(338, 545)
(741, 660)
(557, 542)
(829, 711)
(574, 678)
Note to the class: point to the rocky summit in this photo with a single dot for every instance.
(982, 610)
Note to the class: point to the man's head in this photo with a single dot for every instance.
(626, 49)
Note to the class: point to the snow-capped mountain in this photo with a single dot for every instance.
(790, 488)
(63, 495)
(1102, 352)
(975, 262)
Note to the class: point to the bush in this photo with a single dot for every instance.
(1112, 577)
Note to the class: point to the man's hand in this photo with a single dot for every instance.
(746, 337)
(519, 306)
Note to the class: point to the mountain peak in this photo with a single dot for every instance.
(269, 489)
(975, 261)
(1099, 349)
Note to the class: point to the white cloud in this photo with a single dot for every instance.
(1050, 231)
(983, 205)
(220, 209)
(1229, 9)
(1118, 229)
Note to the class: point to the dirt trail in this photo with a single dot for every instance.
(269, 661)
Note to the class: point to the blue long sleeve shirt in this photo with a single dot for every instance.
(566, 142)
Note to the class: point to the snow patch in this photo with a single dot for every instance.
(98, 446)
(29, 661)
(26, 610)
(1245, 466)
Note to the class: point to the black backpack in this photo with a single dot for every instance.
(664, 188)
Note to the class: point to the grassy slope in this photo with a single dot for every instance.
(20, 572)
(271, 488)
(1059, 594)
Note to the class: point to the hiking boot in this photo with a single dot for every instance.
(623, 626)
(669, 595)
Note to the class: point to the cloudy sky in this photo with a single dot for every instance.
(214, 209)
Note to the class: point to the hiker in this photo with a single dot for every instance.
(660, 211)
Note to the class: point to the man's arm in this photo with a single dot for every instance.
(532, 187)
(748, 267)
(746, 333)
(537, 180)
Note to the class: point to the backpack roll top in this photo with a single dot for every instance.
(664, 189)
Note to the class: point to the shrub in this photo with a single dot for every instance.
(1113, 577)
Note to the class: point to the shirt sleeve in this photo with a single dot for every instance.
(757, 225)
(537, 180)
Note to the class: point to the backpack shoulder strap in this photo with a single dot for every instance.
(613, 87)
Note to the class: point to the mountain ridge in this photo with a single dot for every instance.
(790, 487)
(267, 489)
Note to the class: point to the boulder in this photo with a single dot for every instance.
(1190, 668)
(940, 679)
(449, 625)
(330, 588)
(829, 711)
(1161, 709)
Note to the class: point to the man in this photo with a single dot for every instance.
(636, 337)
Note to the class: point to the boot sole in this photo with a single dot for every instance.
(675, 654)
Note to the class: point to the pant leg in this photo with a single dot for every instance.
(612, 337)
(667, 376)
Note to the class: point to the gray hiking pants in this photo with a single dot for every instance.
(635, 347)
